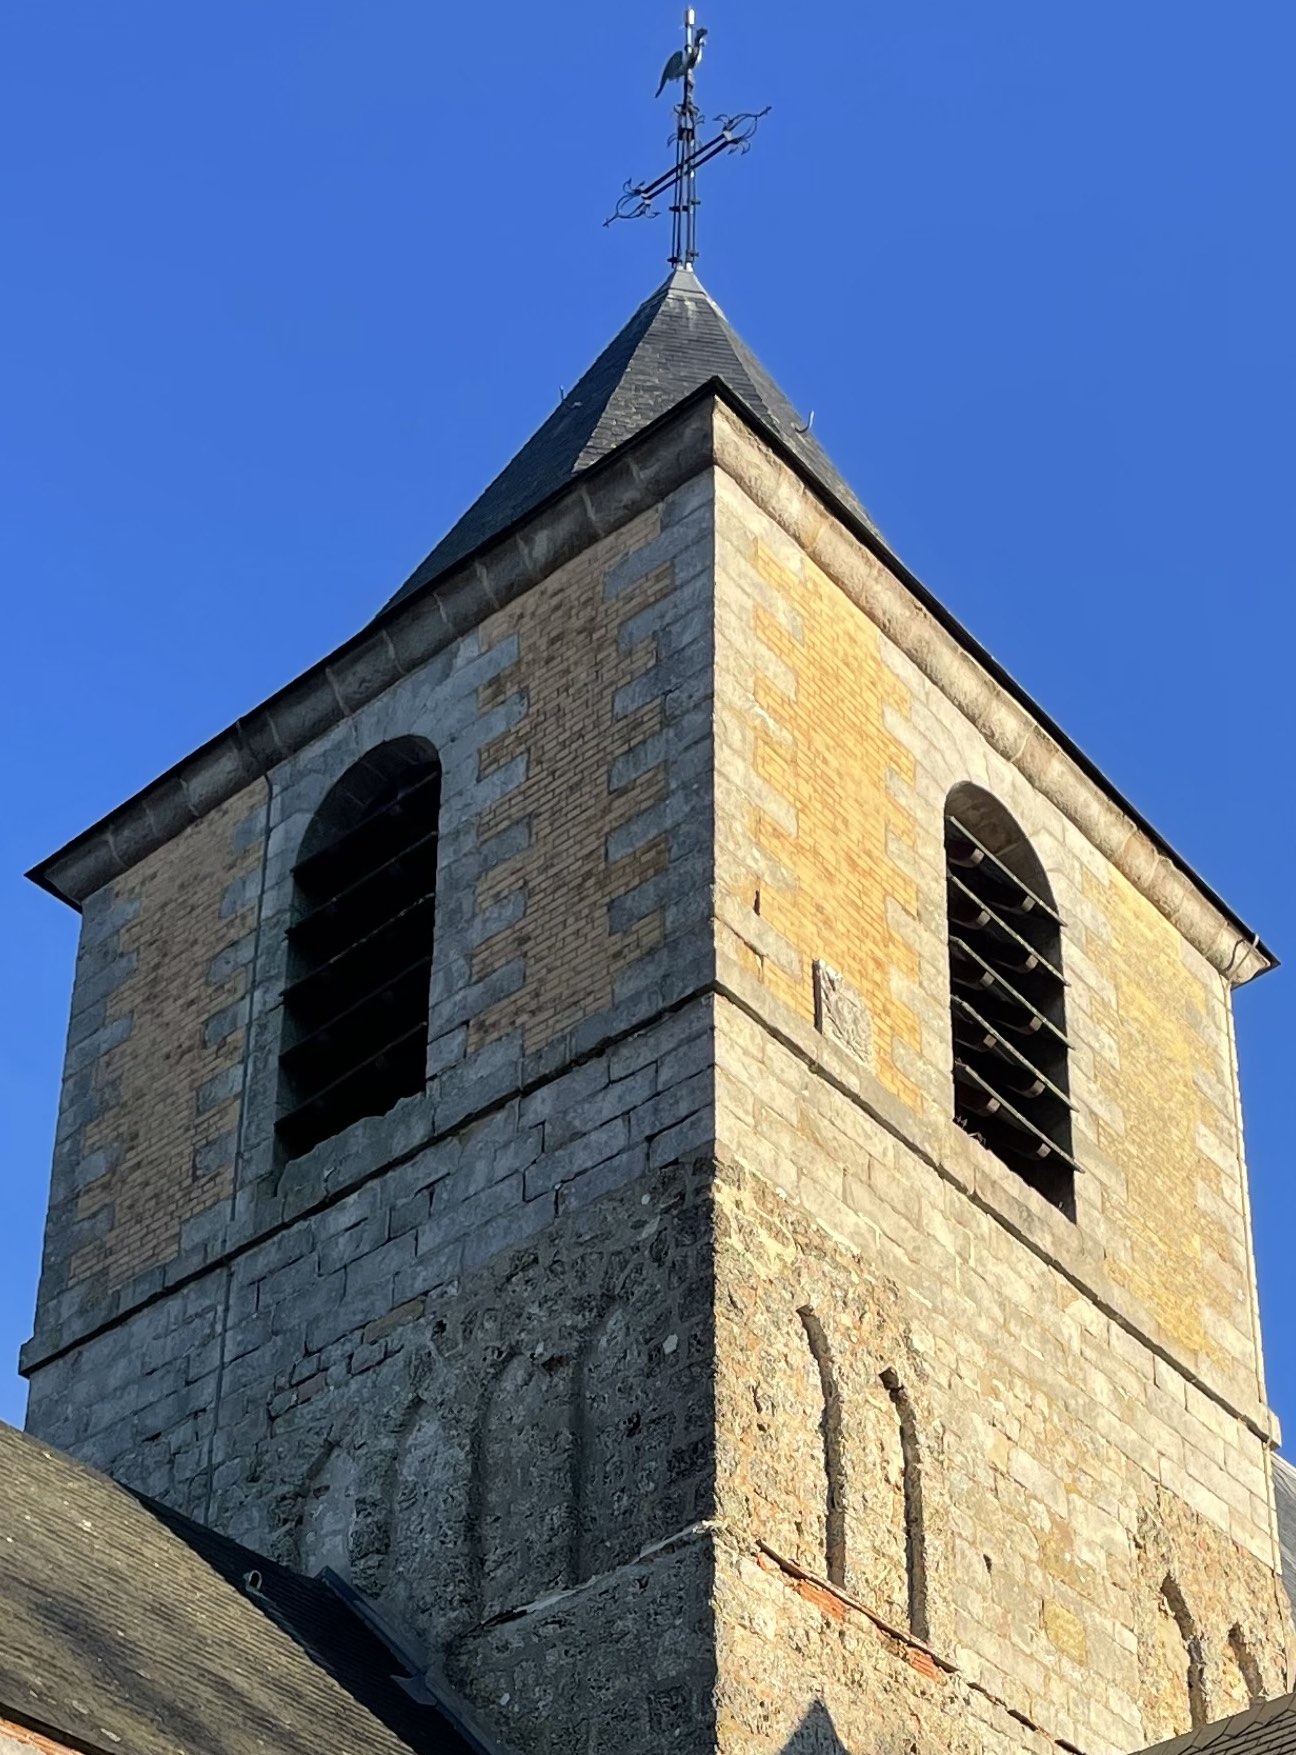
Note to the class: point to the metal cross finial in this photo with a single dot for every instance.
(735, 136)
(684, 206)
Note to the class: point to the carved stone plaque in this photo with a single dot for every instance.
(840, 1012)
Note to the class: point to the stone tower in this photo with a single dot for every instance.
(656, 1113)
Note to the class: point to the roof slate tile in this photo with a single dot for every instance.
(128, 1626)
(677, 341)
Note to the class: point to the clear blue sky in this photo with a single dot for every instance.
(285, 284)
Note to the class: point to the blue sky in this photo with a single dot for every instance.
(286, 284)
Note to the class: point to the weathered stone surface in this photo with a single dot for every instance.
(840, 1012)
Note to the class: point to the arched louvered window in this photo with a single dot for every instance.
(360, 947)
(1007, 996)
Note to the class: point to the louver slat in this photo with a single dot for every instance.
(985, 1038)
(1034, 1142)
(317, 1117)
(975, 854)
(973, 971)
(331, 1024)
(974, 914)
(370, 945)
(392, 867)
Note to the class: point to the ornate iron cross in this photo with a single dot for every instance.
(734, 135)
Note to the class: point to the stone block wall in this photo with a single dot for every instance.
(990, 1463)
(153, 1078)
(836, 751)
(573, 729)
(673, 1369)
(815, 826)
(461, 1352)
(978, 1462)
(478, 1388)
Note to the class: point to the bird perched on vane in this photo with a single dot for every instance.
(683, 61)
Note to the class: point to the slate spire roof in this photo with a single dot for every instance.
(677, 341)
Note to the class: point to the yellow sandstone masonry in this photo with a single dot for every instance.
(570, 668)
(1186, 1264)
(835, 754)
(825, 817)
(155, 1075)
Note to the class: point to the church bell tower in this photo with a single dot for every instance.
(657, 1115)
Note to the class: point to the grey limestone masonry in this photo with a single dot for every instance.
(479, 1385)
(461, 1351)
(102, 967)
(440, 704)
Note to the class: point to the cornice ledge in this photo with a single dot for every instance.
(878, 583)
(400, 639)
(989, 1185)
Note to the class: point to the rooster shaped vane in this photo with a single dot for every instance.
(683, 61)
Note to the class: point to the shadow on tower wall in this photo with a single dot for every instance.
(815, 1735)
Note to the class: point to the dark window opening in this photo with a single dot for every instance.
(1007, 997)
(360, 947)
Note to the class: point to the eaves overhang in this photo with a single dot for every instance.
(258, 740)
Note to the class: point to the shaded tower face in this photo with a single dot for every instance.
(355, 1007)
(654, 1113)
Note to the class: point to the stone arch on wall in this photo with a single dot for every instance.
(1172, 1670)
(327, 1510)
(616, 1459)
(521, 1499)
(911, 1503)
(778, 1465)
(1241, 1683)
(427, 1573)
(877, 1569)
(834, 1456)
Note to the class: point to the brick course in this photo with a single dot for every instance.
(17, 1740)
(588, 642)
(168, 1077)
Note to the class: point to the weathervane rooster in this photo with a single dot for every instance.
(683, 61)
(733, 134)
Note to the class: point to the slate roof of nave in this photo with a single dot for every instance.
(677, 341)
(127, 1626)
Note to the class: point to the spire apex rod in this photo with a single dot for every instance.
(685, 204)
